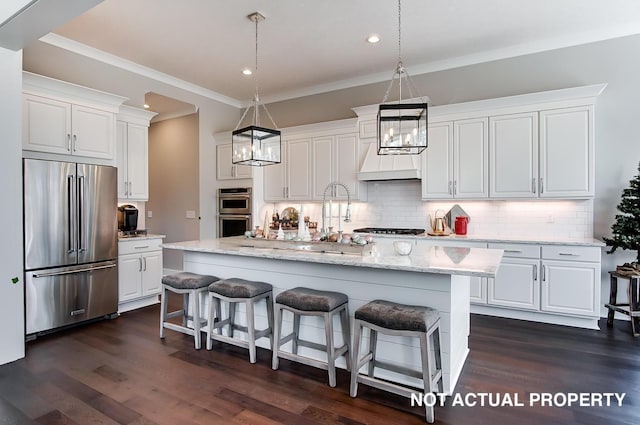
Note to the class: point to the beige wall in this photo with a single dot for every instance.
(173, 182)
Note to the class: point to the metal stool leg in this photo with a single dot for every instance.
(276, 336)
(355, 361)
(331, 360)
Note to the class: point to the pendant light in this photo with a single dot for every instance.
(255, 145)
(402, 126)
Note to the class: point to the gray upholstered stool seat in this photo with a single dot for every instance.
(400, 320)
(391, 315)
(191, 286)
(308, 299)
(311, 302)
(234, 291)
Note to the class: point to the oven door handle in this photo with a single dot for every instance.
(235, 215)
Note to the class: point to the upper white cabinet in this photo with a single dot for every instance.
(226, 169)
(291, 179)
(567, 152)
(455, 165)
(513, 155)
(65, 119)
(335, 159)
(132, 153)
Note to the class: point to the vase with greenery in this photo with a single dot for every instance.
(626, 229)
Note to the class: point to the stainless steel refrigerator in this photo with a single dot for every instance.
(70, 243)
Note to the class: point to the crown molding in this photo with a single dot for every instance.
(127, 65)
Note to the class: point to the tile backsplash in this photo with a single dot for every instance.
(399, 204)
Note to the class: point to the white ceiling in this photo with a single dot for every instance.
(312, 46)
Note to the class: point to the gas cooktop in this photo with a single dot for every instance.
(389, 231)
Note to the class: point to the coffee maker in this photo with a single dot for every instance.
(127, 218)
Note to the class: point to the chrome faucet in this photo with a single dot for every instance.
(347, 214)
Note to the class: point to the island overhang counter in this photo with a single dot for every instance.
(433, 276)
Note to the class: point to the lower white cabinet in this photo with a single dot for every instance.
(570, 287)
(139, 272)
(516, 284)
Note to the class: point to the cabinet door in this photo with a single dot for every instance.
(516, 285)
(151, 273)
(46, 125)
(478, 290)
(470, 155)
(566, 152)
(513, 156)
(274, 178)
(138, 159)
(93, 132)
(323, 166)
(299, 169)
(121, 159)
(346, 165)
(571, 287)
(437, 162)
(225, 169)
(129, 277)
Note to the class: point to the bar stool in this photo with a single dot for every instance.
(632, 307)
(310, 302)
(235, 291)
(401, 320)
(188, 284)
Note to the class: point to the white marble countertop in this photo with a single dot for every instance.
(427, 259)
(140, 237)
(502, 239)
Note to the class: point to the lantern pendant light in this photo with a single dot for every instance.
(402, 126)
(255, 145)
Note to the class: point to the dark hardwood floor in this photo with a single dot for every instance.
(120, 372)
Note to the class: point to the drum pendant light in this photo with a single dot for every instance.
(255, 145)
(402, 126)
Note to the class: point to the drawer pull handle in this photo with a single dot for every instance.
(568, 254)
(142, 247)
(535, 272)
(513, 251)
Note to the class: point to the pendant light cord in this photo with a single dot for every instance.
(256, 99)
(400, 71)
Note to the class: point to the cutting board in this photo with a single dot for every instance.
(455, 211)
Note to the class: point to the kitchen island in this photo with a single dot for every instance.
(438, 277)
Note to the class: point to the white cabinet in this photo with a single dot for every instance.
(139, 272)
(455, 165)
(291, 179)
(571, 280)
(132, 153)
(55, 126)
(513, 155)
(516, 284)
(567, 152)
(335, 159)
(226, 169)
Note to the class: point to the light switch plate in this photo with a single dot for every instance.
(191, 214)
(149, 214)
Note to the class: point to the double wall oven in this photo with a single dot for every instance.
(234, 211)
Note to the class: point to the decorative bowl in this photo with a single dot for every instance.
(402, 247)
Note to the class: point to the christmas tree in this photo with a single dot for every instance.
(626, 229)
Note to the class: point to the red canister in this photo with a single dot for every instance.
(461, 225)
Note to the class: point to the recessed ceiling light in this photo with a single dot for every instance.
(373, 39)
(247, 71)
(146, 106)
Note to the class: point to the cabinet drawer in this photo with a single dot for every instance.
(571, 253)
(135, 246)
(517, 250)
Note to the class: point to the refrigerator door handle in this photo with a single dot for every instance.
(81, 205)
(70, 210)
(88, 269)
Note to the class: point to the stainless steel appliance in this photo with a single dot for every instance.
(127, 218)
(234, 211)
(389, 231)
(70, 243)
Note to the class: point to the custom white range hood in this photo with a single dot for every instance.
(389, 167)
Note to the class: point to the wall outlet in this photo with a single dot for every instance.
(149, 214)
(550, 219)
(191, 214)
